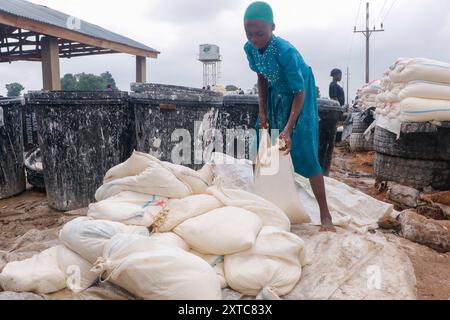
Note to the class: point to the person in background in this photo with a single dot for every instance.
(336, 91)
(109, 87)
(287, 99)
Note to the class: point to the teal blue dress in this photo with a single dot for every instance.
(287, 73)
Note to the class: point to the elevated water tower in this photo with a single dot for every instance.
(210, 57)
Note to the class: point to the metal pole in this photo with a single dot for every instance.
(367, 44)
(367, 33)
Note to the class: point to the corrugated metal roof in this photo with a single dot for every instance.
(43, 14)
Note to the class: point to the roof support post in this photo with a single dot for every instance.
(141, 69)
(50, 64)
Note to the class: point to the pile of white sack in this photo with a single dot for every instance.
(163, 231)
(367, 95)
(204, 238)
(415, 90)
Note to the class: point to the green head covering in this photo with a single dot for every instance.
(259, 11)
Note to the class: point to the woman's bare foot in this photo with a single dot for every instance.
(327, 225)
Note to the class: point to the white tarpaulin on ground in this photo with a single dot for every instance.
(352, 266)
(348, 206)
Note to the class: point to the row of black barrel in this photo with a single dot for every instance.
(83, 134)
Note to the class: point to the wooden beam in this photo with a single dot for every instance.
(26, 57)
(50, 64)
(74, 55)
(59, 32)
(141, 69)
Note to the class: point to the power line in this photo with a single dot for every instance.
(390, 9)
(359, 11)
(353, 35)
(382, 8)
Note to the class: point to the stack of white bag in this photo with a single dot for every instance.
(217, 225)
(416, 90)
(205, 238)
(367, 95)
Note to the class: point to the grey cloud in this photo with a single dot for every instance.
(413, 28)
(191, 11)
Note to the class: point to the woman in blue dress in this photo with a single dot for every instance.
(287, 98)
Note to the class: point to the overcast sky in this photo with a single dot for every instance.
(322, 30)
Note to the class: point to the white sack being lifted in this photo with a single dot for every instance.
(274, 180)
(88, 237)
(272, 266)
(222, 231)
(158, 272)
(130, 208)
(179, 210)
(40, 274)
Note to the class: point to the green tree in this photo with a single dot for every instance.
(14, 89)
(69, 82)
(108, 79)
(231, 88)
(90, 82)
(87, 82)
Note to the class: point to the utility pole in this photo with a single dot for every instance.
(367, 33)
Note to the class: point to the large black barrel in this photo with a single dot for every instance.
(175, 123)
(81, 136)
(12, 170)
(237, 123)
(330, 113)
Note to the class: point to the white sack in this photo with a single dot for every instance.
(222, 231)
(217, 262)
(273, 264)
(155, 179)
(270, 214)
(274, 181)
(421, 69)
(232, 173)
(426, 90)
(77, 270)
(423, 110)
(129, 208)
(40, 274)
(88, 237)
(158, 272)
(140, 162)
(179, 210)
